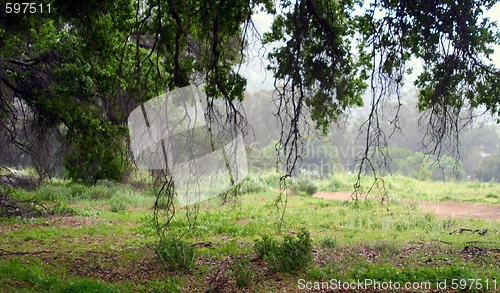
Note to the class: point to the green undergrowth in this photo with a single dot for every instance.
(15, 276)
(98, 233)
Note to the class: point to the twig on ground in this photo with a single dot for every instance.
(480, 232)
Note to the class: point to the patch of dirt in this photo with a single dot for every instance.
(57, 221)
(242, 222)
(443, 209)
(461, 210)
(333, 195)
(74, 221)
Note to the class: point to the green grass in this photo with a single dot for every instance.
(401, 187)
(103, 239)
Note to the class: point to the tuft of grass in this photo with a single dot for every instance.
(241, 272)
(252, 184)
(265, 246)
(492, 195)
(32, 277)
(123, 199)
(293, 254)
(117, 206)
(271, 178)
(385, 272)
(306, 184)
(176, 254)
(386, 249)
(328, 243)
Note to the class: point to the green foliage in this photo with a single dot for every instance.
(492, 195)
(176, 254)
(338, 182)
(252, 184)
(271, 178)
(387, 249)
(388, 272)
(241, 272)
(34, 277)
(73, 191)
(489, 168)
(424, 174)
(293, 254)
(118, 205)
(96, 153)
(265, 246)
(328, 242)
(306, 183)
(171, 285)
(424, 167)
(174, 285)
(125, 198)
(316, 273)
(325, 33)
(85, 286)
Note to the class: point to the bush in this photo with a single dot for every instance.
(118, 205)
(265, 247)
(293, 254)
(328, 242)
(339, 183)
(305, 184)
(489, 168)
(271, 178)
(252, 184)
(176, 254)
(96, 152)
(97, 192)
(241, 272)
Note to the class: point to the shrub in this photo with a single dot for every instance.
(339, 183)
(305, 184)
(492, 195)
(328, 242)
(271, 178)
(265, 247)
(118, 205)
(296, 252)
(100, 192)
(293, 254)
(241, 272)
(52, 192)
(489, 168)
(176, 254)
(252, 184)
(96, 151)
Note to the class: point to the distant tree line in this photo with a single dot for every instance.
(337, 152)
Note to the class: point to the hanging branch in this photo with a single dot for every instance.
(202, 38)
(389, 58)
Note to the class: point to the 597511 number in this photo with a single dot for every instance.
(27, 7)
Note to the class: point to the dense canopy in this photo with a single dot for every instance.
(70, 77)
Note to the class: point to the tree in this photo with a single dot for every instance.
(62, 72)
(90, 63)
(318, 69)
(489, 168)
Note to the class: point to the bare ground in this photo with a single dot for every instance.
(443, 209)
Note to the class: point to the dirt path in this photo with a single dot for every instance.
(445, 209)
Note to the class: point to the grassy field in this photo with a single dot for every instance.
(102, 239)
